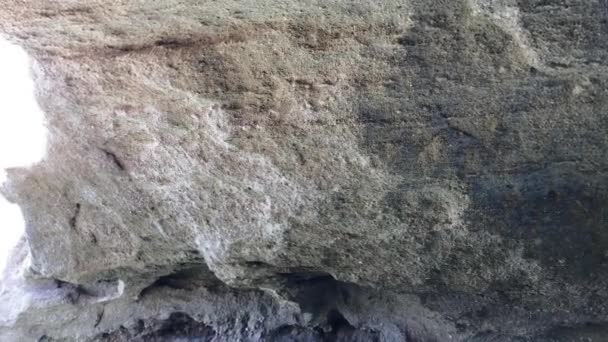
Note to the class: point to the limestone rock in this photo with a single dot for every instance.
(399, 170)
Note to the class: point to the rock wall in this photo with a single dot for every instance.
(314, 171)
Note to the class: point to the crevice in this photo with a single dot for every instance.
(74, 218)
(114, 158)
(99, 317)
(73, 291)
(101, 291)
(187, 279)
(237, 35)
(181, 325)
(174, 43)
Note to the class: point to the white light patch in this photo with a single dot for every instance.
(22, 135)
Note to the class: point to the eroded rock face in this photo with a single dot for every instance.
(315, 171)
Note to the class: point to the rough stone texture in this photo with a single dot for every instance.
(315, 171)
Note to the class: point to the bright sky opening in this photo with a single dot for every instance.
(22, 135)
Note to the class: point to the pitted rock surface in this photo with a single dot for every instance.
(314, 171)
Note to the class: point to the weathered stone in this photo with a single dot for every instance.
(303, 170)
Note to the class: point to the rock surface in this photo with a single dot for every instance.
(304, 170)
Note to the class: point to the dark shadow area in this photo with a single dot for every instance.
(178, 327)
(335, 329)
(187, 279)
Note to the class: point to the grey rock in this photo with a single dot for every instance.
(315, 171)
